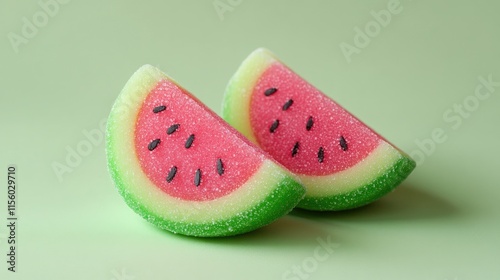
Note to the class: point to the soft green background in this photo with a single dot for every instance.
(442, 223)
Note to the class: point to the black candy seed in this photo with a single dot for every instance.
(159, 109)
(274, 126)
(220, 167)
(295, 149)
(321, 154)
(343, 143)
(171, 174)
(309, 123)
(173, 128)
(197, 177)
(153, 144)
(270, 91)
(189, 141)
(287, 104)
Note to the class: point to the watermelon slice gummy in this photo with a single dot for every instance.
(341, 162)
(184, 169)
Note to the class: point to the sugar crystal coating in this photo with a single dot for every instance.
(196, 176)
(301, 101)
(267, 194)
(342, 162)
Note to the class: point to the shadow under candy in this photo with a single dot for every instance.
(303, 228)
(282, 232)
(404, 203)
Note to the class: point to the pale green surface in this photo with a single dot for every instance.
(442, 223)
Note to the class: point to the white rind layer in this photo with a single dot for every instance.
(377, 163)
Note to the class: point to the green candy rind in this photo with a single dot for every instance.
(277, 204)
(363, 195)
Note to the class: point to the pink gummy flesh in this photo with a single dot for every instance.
(331, 122)
(213, 140)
